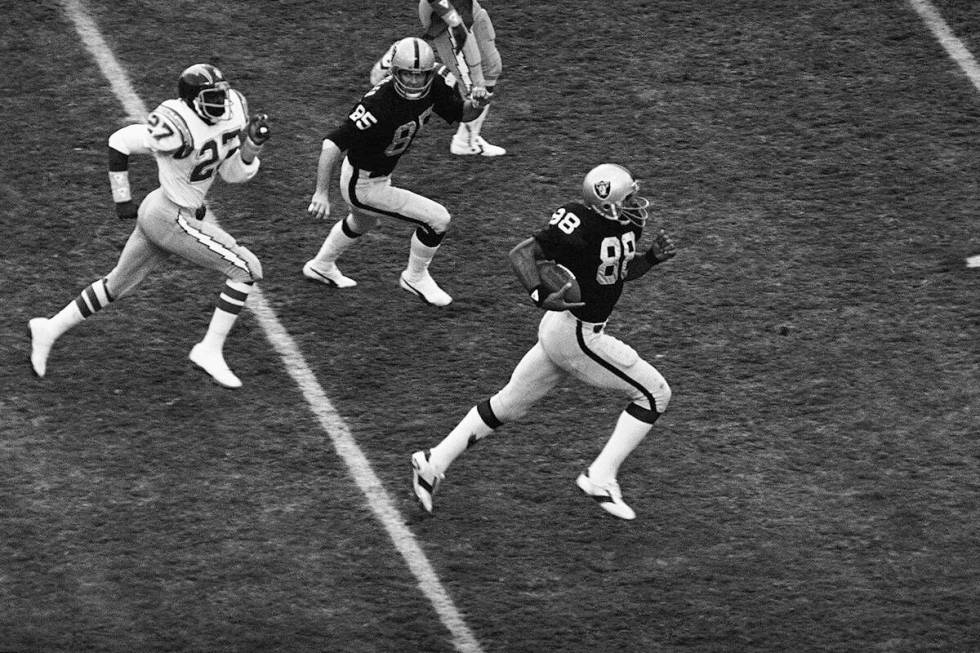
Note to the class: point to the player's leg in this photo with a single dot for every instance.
(139, 256)
(534, 376)
(211, 247)
(468, 139)
(606, 362)
(344, 233)
(431, 219)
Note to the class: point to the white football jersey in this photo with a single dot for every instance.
(190, 152)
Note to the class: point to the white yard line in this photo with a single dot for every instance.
(332, 423)
(957, 52)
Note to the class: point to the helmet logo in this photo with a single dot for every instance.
(602, 189)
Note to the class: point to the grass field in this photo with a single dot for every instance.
(813, 486)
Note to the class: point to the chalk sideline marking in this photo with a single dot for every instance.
(957, 52)
(360, 468)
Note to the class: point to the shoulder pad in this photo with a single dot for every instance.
(169, 131)
(235, 94)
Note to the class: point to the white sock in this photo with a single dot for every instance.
(470, 429)
(627, 435)
(229, 306)
(469, 130)
(419, 257)
(92, 299)
(333, 245)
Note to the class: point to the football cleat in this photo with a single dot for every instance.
(607, 495)
(425, 479)
(41, 342)
(330, 277)
(475, 145)
(426, 288)
(213, 363)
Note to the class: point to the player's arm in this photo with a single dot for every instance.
(244, 163)
(330, 155)
(132, 139)
(473, 106)
(524, 259)
(464, 43)
(662, 249)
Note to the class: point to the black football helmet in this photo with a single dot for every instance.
(612, 191)
(205, 90)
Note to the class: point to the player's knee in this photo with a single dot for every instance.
(661, 394)
(250, 268)
(439, 220)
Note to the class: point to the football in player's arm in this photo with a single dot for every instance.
(596, 239)
(204, 133)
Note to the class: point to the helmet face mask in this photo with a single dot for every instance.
(204, 89)
(611, 191)
(413, 66)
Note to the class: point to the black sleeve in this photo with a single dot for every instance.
(448, 102)
(344, 135)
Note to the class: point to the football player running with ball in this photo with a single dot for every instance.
(597, 240)
(204, 133)
(371, 140)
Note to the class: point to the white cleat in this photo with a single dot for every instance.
(425, 479)
(475, 145)
(41, 342)
(331, 276)
(426, 288)
(607, 495)
(213, 363)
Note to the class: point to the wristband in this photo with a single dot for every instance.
(249, 151)
(650, 257)
(119, 182)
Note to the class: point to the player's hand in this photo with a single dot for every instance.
(127, 210)
(319, 205)
(479, 96)
(257, 128)
(556, 300)
(662, 249)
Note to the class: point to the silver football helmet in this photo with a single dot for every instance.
(413, 67)
(611, 190)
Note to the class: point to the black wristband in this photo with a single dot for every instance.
(650, 257)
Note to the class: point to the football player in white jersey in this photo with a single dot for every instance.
(203, 133)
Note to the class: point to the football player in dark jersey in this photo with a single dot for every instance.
(463, 34)
(597, 240)
(371, 140)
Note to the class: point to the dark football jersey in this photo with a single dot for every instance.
(596, 249)
(383, 125)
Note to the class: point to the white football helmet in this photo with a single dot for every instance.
(611, 190)
(413, 67)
